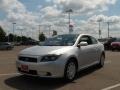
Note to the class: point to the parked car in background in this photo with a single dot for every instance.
(30, 42)
(17, 43)
(116, 44)
(61, 56)
(6, 46)
(108, 42)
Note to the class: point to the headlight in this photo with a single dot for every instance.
(49, 58)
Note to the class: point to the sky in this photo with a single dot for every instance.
(32, 15)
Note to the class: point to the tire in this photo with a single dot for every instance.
(7, 48)
(102, 59)
(113, 49)
(70, 71)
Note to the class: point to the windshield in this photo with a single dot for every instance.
(61, 40)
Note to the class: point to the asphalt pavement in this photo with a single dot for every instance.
(106, 78)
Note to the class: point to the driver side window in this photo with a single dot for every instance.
(86, 39)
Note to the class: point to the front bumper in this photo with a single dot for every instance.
(42, 69)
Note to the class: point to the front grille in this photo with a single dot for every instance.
(32, 72)
(28, 59)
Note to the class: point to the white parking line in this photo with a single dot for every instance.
(111, 87)
(9, 74)
(7, 63)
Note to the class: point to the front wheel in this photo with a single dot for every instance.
(70, 71)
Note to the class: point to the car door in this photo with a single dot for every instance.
(85, 52)
(96, 51)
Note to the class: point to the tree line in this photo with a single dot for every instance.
(11, 37)
(15, 38)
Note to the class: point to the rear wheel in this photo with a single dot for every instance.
(70, 70)
(112, 49)
(102, 60)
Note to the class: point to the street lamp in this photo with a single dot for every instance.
(39, 30)
(49, 26)
(99, 28)
(69, 13)
(108, 23)
(99, 21)
(108, 29)
(21, 31)
(13, 31)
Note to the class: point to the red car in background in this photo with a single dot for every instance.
(116, 44)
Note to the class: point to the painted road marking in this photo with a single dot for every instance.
(7, 63)
(111, 87)
(9, 74)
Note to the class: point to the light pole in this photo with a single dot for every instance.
(99, 22)
(13, 32)
(39, 29)
(49, 26)
(8, 37)
(69, 13)
(108, 23)
(21, 34)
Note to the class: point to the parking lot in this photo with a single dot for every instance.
(107, 78)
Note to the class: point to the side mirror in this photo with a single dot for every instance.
(82, 44)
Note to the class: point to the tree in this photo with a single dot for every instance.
(2, 34)
(11, 36)
(18, 38)
(42, 37)
(54, 33)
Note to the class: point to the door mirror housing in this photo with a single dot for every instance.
(82, 44)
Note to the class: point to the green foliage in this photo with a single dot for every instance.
(42, 37)
(11, 36)
(2, 35)
(14, 38)
(18, 38)
(54, 33)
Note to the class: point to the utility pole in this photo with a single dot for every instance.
(108, 23)
(8, 37)
(21, 33)
(99, 22)
(39, 28)
(49, 26)
(13, 32)
(69, 13)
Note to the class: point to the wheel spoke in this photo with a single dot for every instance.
(71, 70)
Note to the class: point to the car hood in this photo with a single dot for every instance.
(44, 50)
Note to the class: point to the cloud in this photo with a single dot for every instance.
(53, 15)
(12, 5)
(17, 12)
(48, 1)
(92, 26)
(103, 18)
(84, 6)
(50, 12)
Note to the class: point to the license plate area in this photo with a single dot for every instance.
(24, 68)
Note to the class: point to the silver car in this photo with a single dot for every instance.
(61, 56)
(6, 46)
